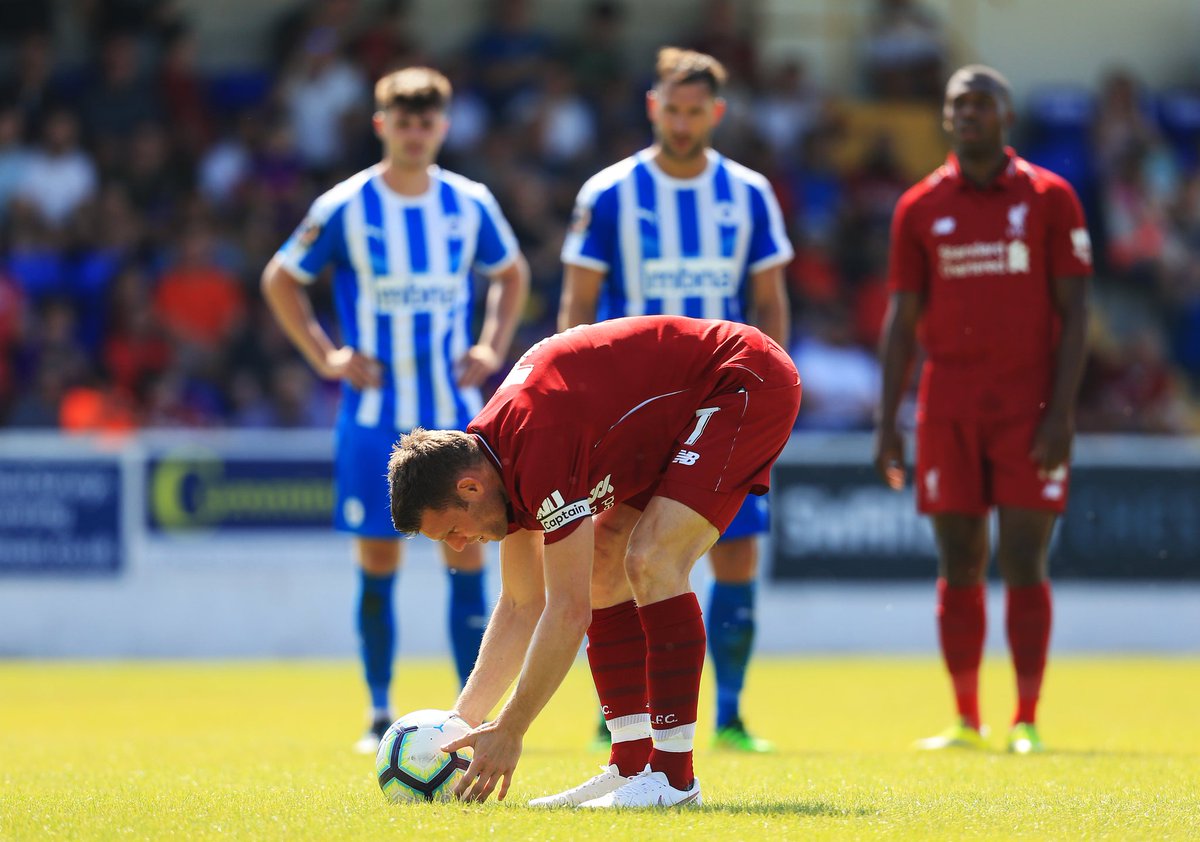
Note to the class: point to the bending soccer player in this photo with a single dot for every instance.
(679, 229)
(989, 266)
(665, 422)
(403, 238)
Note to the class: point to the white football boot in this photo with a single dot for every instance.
(608, 780)
(648, 789)
(368, 743)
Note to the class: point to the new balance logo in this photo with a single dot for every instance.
(685, 457)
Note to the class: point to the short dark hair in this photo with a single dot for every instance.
(678, 66)
(423, 473)
(963, 78)
(415, 89)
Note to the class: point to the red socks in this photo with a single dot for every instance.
(1028, 614)
(962, 624)
(675, 656)
(616, 652)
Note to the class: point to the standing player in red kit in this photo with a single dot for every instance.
(673, 419)
(990, 260)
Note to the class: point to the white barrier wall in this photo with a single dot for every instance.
(140, 549)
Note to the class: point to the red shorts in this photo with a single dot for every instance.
(966, 467)
(727, 451)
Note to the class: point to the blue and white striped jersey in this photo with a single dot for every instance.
(402, 287)
(671, 246)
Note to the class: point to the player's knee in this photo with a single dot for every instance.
(735, 560)
(963, 569)
(1023, 567)
(639, 569)
(378, 557)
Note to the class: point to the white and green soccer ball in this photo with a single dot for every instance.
(411, 765)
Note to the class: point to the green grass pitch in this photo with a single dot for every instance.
(261, 750)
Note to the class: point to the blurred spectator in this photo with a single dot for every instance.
(150, 173)
(96, 408)
(1129, 386)
(1122, 122)
(166, 402)
(105, 17)
(387, 42)
(12, 319)
(468, 116)
(1135, 220)
(558, 118)
(61, 175)
(37, 407)
(841, 378)
(197, 301)
(295, 400)
(225, 167)
(335, 16)
(788, 108)
(137, 348)
(324, 95)
(905, 52)
(506, 55)
(121, 98)
(598, 57)
(189, 114)
(35, 86)
(14, 155)
(727, 38)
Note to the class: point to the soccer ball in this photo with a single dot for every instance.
(411, 765)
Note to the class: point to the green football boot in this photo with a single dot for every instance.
(733, 736)
(1024, 739)
(958, 735)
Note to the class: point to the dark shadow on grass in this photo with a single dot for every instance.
(757, 808)
(778, 807)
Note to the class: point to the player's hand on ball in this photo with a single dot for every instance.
(477, 365)
(348, 364)
(496, 752)
(889, 458)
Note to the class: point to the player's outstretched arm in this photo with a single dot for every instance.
(564, 621)
(506, 639)
(580, 292)
(289, 303)
(507, 292)
(897, 350)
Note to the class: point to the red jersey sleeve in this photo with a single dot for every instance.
(1067, 241)
(550, 482)
(908, 264)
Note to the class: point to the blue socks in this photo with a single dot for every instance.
(468, 618)
(377, 634)
(730, 638)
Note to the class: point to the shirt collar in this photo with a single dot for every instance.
(1003, 181)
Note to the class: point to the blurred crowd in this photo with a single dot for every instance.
(141, 196)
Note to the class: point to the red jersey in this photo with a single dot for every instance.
(589, 417)
(983, 259)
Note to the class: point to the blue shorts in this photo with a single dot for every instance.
(753, 518)
(360, 487)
